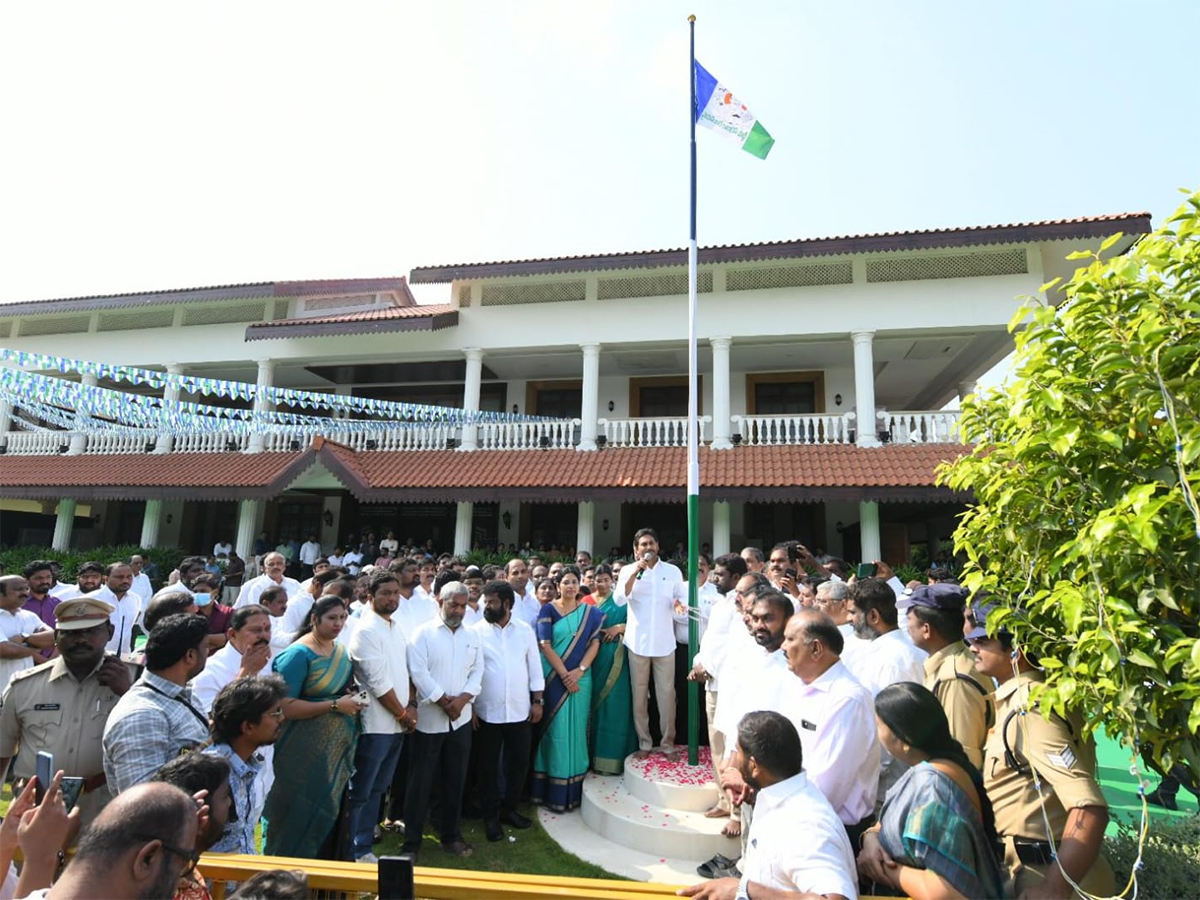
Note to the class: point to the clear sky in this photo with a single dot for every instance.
(152, 145)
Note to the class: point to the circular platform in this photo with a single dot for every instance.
(673, 785)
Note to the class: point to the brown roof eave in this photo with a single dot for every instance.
(1101, 226)
(268, 331)
(665, 494)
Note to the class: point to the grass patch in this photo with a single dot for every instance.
(531, 852)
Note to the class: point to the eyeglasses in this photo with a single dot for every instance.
(191, 857)
(277, 714)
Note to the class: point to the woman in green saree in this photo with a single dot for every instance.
(568, 634)
(612, 735)
(314, 754)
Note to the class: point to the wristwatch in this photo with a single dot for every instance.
(582, 667)
(538, 702)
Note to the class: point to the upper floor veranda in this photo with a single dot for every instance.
(842, 340)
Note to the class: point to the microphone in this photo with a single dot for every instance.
(646, 557)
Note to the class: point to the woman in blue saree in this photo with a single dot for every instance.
(568, 634)
(612, 736)
(314, 754)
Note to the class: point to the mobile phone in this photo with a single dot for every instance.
(363, 699)
(45, 774)
(866, 570)
(790, 573)
(72, 787)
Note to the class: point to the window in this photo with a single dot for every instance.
(557, 399)
(653, 398)
(785, 394)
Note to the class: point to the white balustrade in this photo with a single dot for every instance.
(764, 431)
(37, 443)
(208, 442)
(552, 434)
(113, 442)
(919, 426)
(656, 432)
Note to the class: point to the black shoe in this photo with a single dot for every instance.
(730, 872)
(718, 863)
(494, 832)
(516, 820)
(1158, 798)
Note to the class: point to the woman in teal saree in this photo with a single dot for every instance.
(314, 754)
(568, 633)
(612, 735)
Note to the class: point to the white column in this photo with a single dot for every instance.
(590, 408)
(470, 433)
(585, 529)
(6, 410)
(721, 529)
(864, 388)
(720, 368)
(247, 527)
(462, 528)
(965, 389)
(151, 519)
(79, 440)
(868, 526)
(63, 524)
(266, 373)
(166, 442)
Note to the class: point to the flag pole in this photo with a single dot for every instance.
(693, 455)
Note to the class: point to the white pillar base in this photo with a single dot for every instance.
(868, 525)
(64, 524)
(462, 528)
(151, 520)
(721, 529)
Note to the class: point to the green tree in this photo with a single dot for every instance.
(1085, 524)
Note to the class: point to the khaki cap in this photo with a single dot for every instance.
(82, 612)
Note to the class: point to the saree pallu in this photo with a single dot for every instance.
(561, 761)
(314, 758)
(612, 734)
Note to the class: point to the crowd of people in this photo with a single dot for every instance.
(865, 734)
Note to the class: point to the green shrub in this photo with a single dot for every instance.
(16, 558)
(1170, 861)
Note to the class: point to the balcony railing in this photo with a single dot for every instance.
(919, 426)
(760, 431)
(660, 432)
(908, 426)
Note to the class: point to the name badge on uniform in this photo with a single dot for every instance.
(807, 725)
(1064, 758)
(47, 707)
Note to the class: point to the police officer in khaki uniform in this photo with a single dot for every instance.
(61, 706)
(935, 624)
(1065, 764)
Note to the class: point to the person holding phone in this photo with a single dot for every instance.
(61, 708)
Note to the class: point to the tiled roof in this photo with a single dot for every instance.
(394, 318)
(971, 235)
(253, 290)
(207, 476)
(896, 472)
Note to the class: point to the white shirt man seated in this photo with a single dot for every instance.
(796, 844)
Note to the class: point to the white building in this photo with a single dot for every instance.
(825, 366)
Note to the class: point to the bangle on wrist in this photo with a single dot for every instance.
(333, 707)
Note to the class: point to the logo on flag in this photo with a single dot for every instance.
(717, 108)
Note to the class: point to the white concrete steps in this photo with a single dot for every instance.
(658, 808)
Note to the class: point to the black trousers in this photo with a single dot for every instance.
(514, 739)
(440, 758)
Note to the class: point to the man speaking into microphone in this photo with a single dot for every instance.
(651, 587)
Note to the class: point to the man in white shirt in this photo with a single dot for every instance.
(526, 606)
(222, 548)
(509, 705)
(310, 552)
(90, 578)
(352, 560)
(650, 587)
(795, 846)
(706, 596)
(127, 606)
(275, 601)
(426, 573)
(725, 613)
(445, 662)
(472, 577)
(23, 636)
(888, 656)
(415, 608)
(833, 601)
(245, 654)
(273, 567)
(835, 716)
(141, 582)
(379, 651)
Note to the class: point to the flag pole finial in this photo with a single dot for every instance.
(692, 19)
